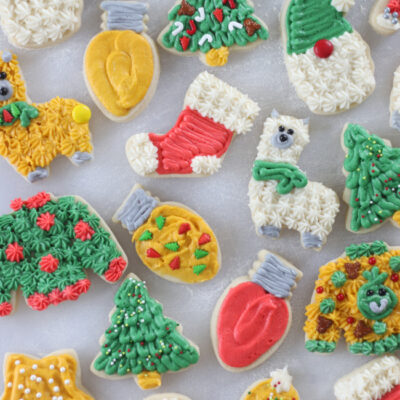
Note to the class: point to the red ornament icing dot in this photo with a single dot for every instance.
(350, 320)
(319, 289)
(394, 277)
(340, 296)
(323, 48)
(372, 261)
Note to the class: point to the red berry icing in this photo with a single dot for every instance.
(340, 297)
(38, 301)
(5, 309)
(48, 264)
(115, 269)
(56, 297)
(372, 261)
(152, 253)
(175, 263)
(39, 200)
(323, 48)
(218, 14)
(319, 289)
(83, 285)
(204, 238)
(83, 231)
(350, 320)
(185, 227)
(184, 42)
(45, 221)
(70, 293)
(14, 252)
(17, 204)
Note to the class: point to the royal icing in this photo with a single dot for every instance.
(213, 113)
(141, 340)
(395, 101)
(280, 193)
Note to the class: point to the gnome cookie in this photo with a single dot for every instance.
(384, 16)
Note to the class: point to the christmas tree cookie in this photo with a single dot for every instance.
(278, 387)
(395, 101)
(328, 62)
(384, 16)
(372, 169)
(171, 239)
(211, 28)
(213, 114)
(121, 64)
(46, 246)
(253, 316)
(141, 342)
(357, 294)
(56, 376)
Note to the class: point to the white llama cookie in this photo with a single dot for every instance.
(384, 16)
(395, 101)
(280, 193)
(39, 23)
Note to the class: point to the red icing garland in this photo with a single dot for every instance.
(37, 201)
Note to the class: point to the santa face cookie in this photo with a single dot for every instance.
(171, 239)
(211, 29)
(213, 113)
(46, 246)
(328, 62)
(357, 294)
(39, 23)
(253, 316)
(56, 376)
(121, 64)
(395, 101)
(384, 16)
(141, 342)
(280, 193)
(279, 386)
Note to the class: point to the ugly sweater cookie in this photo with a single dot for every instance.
(384, 16)
(213, 113)
(357, 295)
(171, 239)
(279, 192)
(47, 244)
(328, 62)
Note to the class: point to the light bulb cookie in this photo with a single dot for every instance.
(384, 16)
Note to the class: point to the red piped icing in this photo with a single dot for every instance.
(7, 116)
(83, 286)
(16, 204)
(250, 322)
(185, 227)
(115, 269)
(38, 200)
(14, 252)
(83, 231)
(394, 394)
(5, 309)
(56, 297)
(49, 263)
(394, 6)
(45, 221)
(71, 293)
(185, 41)
(175, 263)
(219, 14)
(38, 301)
(193, 135)
(204, 239)
(151, 253)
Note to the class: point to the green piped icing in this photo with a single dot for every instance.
(200, 253)
(173, 246)
(308, 21)
(198, 269)
(160, 222)
(379, 328)
(287, 175)
(366, 249)
(389, 344)
(327, 306)
(146, 235)
(19, 110)
(394, 263)
(145, 338)
(320, 346)
(338, 279)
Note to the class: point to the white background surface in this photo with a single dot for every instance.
(221, 199)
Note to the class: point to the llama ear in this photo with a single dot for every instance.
(275, 114)
(6, 56)
(306, 121)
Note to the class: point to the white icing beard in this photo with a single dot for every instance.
(338, 82)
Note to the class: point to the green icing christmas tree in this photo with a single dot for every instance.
(141, 340)
(374, 177)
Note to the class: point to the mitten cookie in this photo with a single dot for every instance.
(328, 62)
(384, 16)
(170, 238)
(357, 295)
(253, 316)
(141, 342)
(213, 113)
(280, 193)
(121, 65)
(46, 246)
(210, 28)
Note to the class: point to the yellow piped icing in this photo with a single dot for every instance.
(265, 390)
(396, 217)
(81, 114)
(217, 57)
(149, 380)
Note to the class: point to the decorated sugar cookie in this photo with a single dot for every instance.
(47, 244)
(213, 113)
(171, 239)
(328, 62)
(211, 28)
(121, 65)
(395, 101)
(384, 16)
(376, 380)
(32, 135)
(56, 376)
(167, 396)
(278, 387)
(280, 193)
(141, 342)
(357, 295)
(253, 316)
(39, 23)
(372, 170)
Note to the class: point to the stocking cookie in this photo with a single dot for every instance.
(280, 193)
(253, 316)
(167, 396)
(170, 238)
(395, 101)
(328, 62)
(121, 65)
(211, 28)
(141, 342)
(39, 23)
(357, 294)
(384, 16)
(213, 113)
(47, 244)
(56, 376)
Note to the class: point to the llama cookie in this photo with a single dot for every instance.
(170, 238)
(384, 16)
(280, 193)
(253, 316)
(372, 168)
(213, 113)
(141, 342)
(395, 101)
(377, 380)
(328, 62)
(121, 64)
(278, 387)
(32, 135)
(33, 24)
(211, 28)
(47, 245)
(358, 294)
(167, 396)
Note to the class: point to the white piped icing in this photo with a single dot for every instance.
(206, 165)
(281, 380)
(142, 154)
(387, 23)
(337, 83)
(343, 5)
